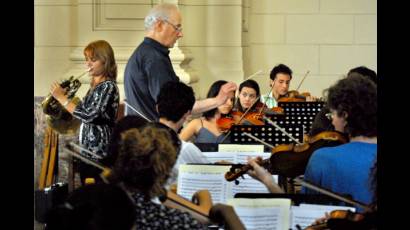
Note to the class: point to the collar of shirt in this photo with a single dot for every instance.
(156, 45)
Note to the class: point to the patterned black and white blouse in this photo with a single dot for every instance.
(97, 112)
(156, 216)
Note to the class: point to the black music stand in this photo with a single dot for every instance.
(298, 113)
(266, 133)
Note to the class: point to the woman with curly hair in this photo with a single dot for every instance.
(145, 159)
(345, 169)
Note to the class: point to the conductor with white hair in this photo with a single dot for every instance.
(150, 67)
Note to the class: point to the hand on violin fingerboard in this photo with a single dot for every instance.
(259, 173)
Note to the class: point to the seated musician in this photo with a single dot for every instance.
(321, 123)
(248, 93)
(280, 78)
(174, 105)
(344, 169)
(205, 128)
(145, 160)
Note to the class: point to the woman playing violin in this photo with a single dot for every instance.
(248, 93)
(205, 128)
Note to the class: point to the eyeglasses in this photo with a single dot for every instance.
(177, 28)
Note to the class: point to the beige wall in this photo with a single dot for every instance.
(325, 37)
(226, 39)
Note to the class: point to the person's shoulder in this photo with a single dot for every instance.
(195, 122)
(326, 152)
(109, 84)
(189, 147)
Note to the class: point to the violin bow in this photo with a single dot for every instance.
(331, 194)
(241, 118)
(70, 147)
(257, 139)
(264, 104)
(253, 75)
(282, 130)
(139, 113)
(302, 80)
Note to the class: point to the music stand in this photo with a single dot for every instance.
(267, 133)
(300, 113)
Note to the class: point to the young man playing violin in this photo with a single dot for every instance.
(280, 78)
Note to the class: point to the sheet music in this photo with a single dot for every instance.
(241, 157)
(250, 185)
(261, 214)
(305, 214)
(192, 178)
(240, 148)
(220, 156)
(234, 157)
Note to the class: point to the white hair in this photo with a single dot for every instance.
(158, 12)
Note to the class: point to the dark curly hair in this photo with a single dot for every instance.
(281, 68)
(363, 70)
(250, 84)
(356, 96)
(213, 92)
(125, 123)
(145, 160)
(174, 100)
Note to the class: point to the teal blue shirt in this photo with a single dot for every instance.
(269, 100)
(344, 169)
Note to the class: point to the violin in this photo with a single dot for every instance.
(199, 208)
(340, 219)
(294, 96)
(290, 160)
(238, 118)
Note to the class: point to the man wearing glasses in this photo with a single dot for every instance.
(150, 67)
